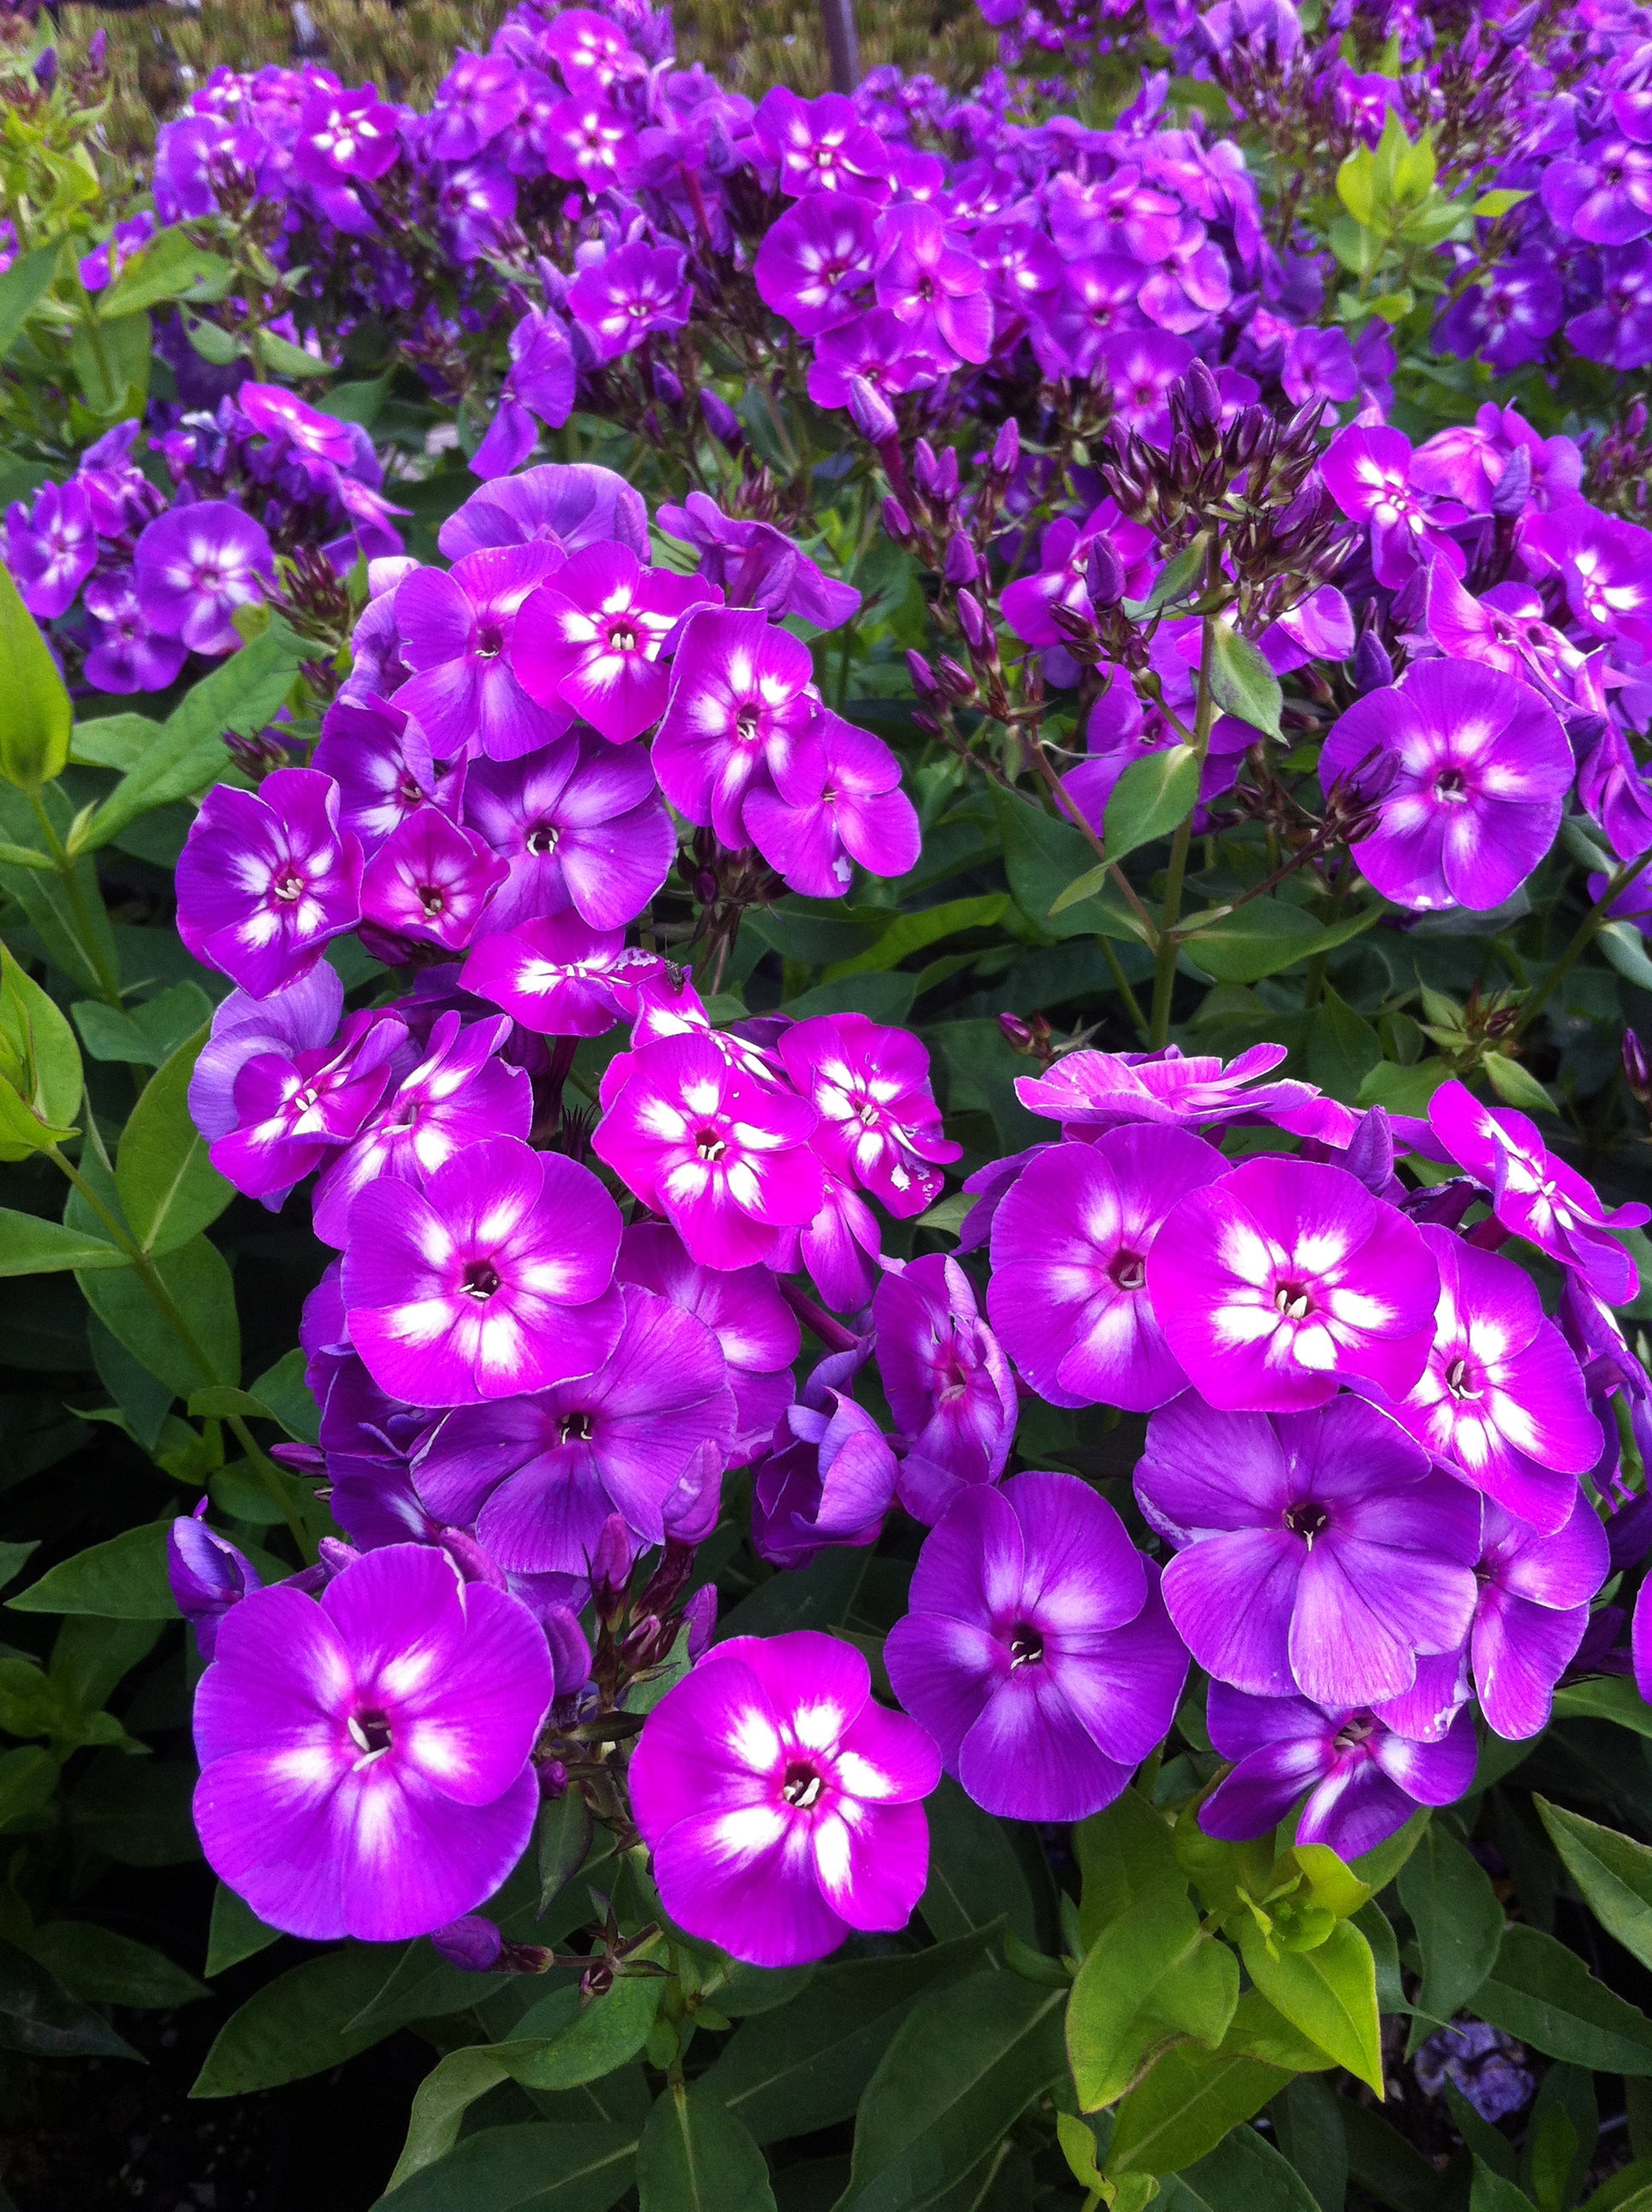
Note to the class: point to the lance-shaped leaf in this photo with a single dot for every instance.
(1329, 1993)
(1151, 1979)
(35, 715)
(1459, 1923)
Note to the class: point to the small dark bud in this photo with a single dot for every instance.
(96, 47)
(722, 421)
(1030, 1036)
(1373, 670)
(668, 385)
(1201, 397)
(955, 680)
(1301, 518)
(1006, 449)
(705, 886)
(973, 622)
(45, 69)
(926, 469)
(1103, 574)
(897, 522)
(552, 1778)
(961, 565)
(1637, 1070)
(923, 677)
(871, 413)
(598, 1980)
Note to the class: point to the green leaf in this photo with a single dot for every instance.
(1613, 1872)
(359, 402)
(1625, 949)
(910, 933)
(143, 1035)
(804, 2067)
(1126, 1856)
(1357, 186)
(294, 2025)
(171, 266)
(279, 357)
(1042, 857)
(34, 727)
(29, 1246)
(1517, 1085)
(695, 2156)
(562, 1834)
(235, 1933)
(975, 1876)
(1149, 800)
(1329, 1993)
(38, 1050)
(1608, 1698)
(1186, 2106)
(101, 1967)
(1308, 2127)
(124, 1578)
(238, 698)
(1403, 1089)
(1241, 682)
(527, 2168)
(1497, 201)
(28, 1777)
(23, 288)
(1174, 580)
(198, 1282)
(39, 2017)
(1542, 1993)
(1151, 1979)
(1266, 936)
(1495, 2192)
(963, 2067)
(1459, 1923)
(1243, 2173)
(169, 1189)
(1342, 1047)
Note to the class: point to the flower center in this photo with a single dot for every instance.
(802, 1786)
(709, 1145)
(1128, 1271)
(622, 638)
(745, 724)
(489, 642)
(289, 888)
(1294, 1301)
(433, 900)
(1451, 785)
(370, 1732)
(1307, 1518)
(481, 1281)
(1460, 1381)
(1026, 1645)
(1354, 1733)
(577, 1428)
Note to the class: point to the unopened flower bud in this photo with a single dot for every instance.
(1103, 574)
(705, 887)
(1006, 449)
(468, 1942)
(898, 523)
(955, 680)
(722, 421)
(610, 1567)
(700, 1618)
(871, 413)
(973, 622)
(1202, 397)
(96, 47)
(923, 675)
(668, 385)
(1373, 670)
(553, 1780)
(45, 69)
(1030, 1037)
(926, 469)
(1301, 516)
(1514, 487)
(961, 565)
(1637, 1071)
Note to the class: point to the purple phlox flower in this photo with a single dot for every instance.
(948, 1383)
(558, 976)
(1319, 365)
(1508, 319)
(459, 1094)
(842, 1247)
(743, 1307)
(377, 669)
(1535, 1196)
(820, 145)
(292, 1108)
(781, 1801)
(346, 135)
(1287, 1277)
(1504, 630)
(427, 884)
(591, 49)
(1368, 473)
(879, 1125)
(1469, 461)
(815, 264)
(858, 815)
(104, 263)
(1502, 1399)
(476, 200)
(580, 823)
(1024, 270)
(668, 1005)
(1316, 1551)
(207, 1575)
(929, 278)
(541, 383)
(1095, 298)
(282, 415)
(197, 564)
(754, 565)
(1603, 196)
(1062, 575)
(889, 355)
(457, 632)
(1534, 1609)
(589, 641)
(187, 155)
(381, 760)
(474, 102)
(265, 879)
(562, 505)
(365, 1758)
(1481, 2060)
(490, 1281)
(635, 291)
(1318, 628)
(587, 139)
(525, 142)
(1604, 564)
(298, 1018)
(1470, 768)
(1618, 332)
(1187, 282)
(1068, 1296)
(1037, 1651)
(539, 1476)
(1095, 1091)
(1361, 1780)
(1611, 786)
(52, 548)
(743, 701)
(127, 653)
(830, 1477)
(726, 1158)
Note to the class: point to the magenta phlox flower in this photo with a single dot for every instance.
(345, 135)
(1370, 474)
(1316, 1552)
(539, 1476)
(589, 641)
(591, 49)
(289, 420)
(668, 1005)
(887, 354)
(1088, 1091)
(299, 1016)
(1188, 281)
(1096, 297)
(1604, 563)
(1535, 1196)
(1469, 461)
(743, 1307)
(52, 548)
(564, 505)
(294, 1108)
(365, 1758)
(194, 566)
(948, 1383)
(754, 565)
(381, 760)
(427, 884)
(831, 1478)
(1361, 1780)
(781, 1801)
(127, 653)
(1286, 1278)
(814, 266)
(266, 878)
(558, 976)
(928, 277)
(742, 703)
(1318, 365)
(579, 824)
(1505, 629)
(491, 1282)
(459, 1095)
(1508, 319)
(859, 815)
(587, 139)
(474, 102)
(842, 1247)
(1501, 1398)
(1611, 786)
(1470, 769)
(457, 632)
(820, 145)
(725, 1159)
(1068, 1296)
(1604, 195)
(1618, 332)
(639, 290)
(879, 1125)
(1037, 1651)
(1062, 575)
(206, 1574)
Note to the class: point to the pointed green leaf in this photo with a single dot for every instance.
(1264, 937)
(123, 1578)
(294, 2025)
(1243, 2173)
(198, 1282)
(1459, 1923)
(1329, 1993)
(235, 1932)
(39, 2016)
(1150, 799)
(695, 2156)
(36, 717)
(169, 1189)
(29, 1246)
(23, 288)
(1241, 682)
(1151, 1979)
(1541, 1993)
(101, 1967)
(529, 2168)
(1613, 1872)
(1042, 858)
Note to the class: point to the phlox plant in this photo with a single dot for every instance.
(822, 1114)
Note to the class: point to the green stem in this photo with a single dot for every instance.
(1314, 989)
(108, 984)
(1582, 936)
(1170, 944)
(1065, 806)
(1121, 985)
